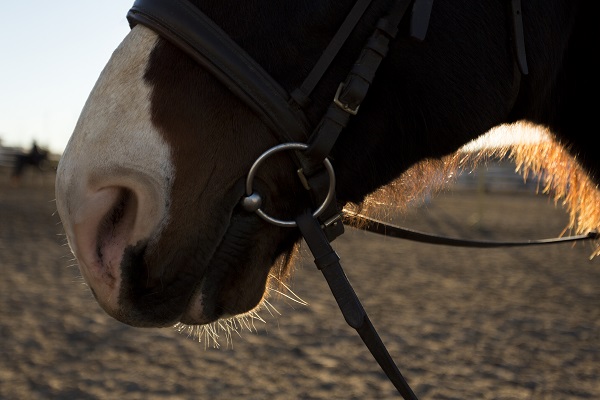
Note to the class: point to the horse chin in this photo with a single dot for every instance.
(236, 280)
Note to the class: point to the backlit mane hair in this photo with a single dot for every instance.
(535, 153)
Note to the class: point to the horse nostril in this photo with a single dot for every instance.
(115, 230)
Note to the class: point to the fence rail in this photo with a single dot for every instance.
(496, 176)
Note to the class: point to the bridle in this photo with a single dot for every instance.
(193, 32)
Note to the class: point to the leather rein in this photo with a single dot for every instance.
(184, 25)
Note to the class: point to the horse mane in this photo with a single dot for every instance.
(535, 152)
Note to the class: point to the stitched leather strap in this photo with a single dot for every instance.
(347, 101)
(301, 94)
(518, 36)
(193, 32)
(419, 19)
(354, 89)
(355, 315)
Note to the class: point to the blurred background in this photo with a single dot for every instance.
(513, 323)
(51, 56)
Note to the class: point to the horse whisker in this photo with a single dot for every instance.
(269, 307)
(292, 295)
(295, 297)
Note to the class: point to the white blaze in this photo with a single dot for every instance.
(115, 145)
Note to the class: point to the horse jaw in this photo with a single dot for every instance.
(112, 190)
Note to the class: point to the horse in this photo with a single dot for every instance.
(180, 188)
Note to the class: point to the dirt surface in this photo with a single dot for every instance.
(519, 323)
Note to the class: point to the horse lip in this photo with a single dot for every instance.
(205, 304)
(198, 310)
(202, 307)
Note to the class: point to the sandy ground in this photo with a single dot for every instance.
(521, 323)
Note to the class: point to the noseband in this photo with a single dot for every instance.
(188, 28)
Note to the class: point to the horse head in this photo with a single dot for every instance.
(149, 185)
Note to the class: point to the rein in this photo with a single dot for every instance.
(382, 228)
(185, 26)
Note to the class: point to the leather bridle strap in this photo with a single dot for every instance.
(346, 102)
(518, 35)
(184, 25)
(353, 90)
(328, 262)
(373, 225)
(301, 94)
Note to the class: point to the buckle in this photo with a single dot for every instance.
(341, 105)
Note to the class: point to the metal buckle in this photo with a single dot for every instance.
(341, 105)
